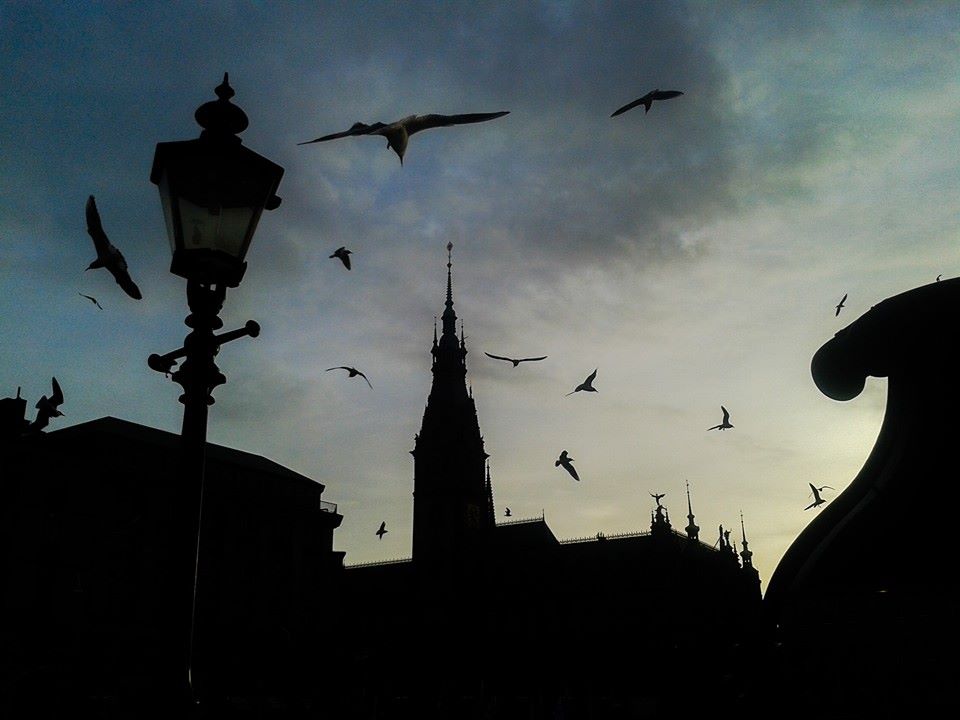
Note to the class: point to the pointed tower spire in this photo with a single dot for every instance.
(746, 555)
(693, 532)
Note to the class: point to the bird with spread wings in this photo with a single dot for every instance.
(398, 133)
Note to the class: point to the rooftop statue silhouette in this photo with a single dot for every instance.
(854, 589)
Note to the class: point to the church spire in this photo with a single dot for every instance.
(693, 532)
(746, 555)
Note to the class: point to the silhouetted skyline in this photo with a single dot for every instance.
(694, 254)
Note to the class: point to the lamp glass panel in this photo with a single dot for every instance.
(215, 228)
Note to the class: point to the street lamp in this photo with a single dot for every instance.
(213, 191)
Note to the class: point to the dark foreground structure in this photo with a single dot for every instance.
(94, 583)
(866, 603)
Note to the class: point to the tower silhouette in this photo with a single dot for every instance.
(453, 503)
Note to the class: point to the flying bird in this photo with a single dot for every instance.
(567, 463)
(108, 256)
(840, 305)
(506, 512)
(726, 421)
(398, 133)
(586, 385)
(382, 531)
(91, 299)
(817, 500)
(516, 361)
(48, 407)
(353, 372)
(344, 255)
(647, 100)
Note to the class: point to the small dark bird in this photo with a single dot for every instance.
(515, 361)
(506, 512)
(567, 463)
(840, 305)
(647, 100)
(344, 255)
(938, 277)
(382, 531)
(586, 385)
(353, 372)
(108, 256)
(726, 421)
(817, 500)
(91, 299)
(398, 133)
(657, 496)
(47, 407)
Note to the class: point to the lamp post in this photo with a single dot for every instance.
(213, 191)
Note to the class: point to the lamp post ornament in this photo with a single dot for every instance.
(212, 191)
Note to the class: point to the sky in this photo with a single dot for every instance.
(693, 255)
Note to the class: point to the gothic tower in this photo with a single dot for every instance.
(453, 503)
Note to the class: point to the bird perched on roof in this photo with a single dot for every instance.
(398, 133)
(516, 361)
(344, 255)
(91, 299)
(108, 256)
(353, 372)
(817, 500)
(506, 512)
(586, 385)
(840, 304)
(726, 421)
(382, 531)
(47, 407)
(647, 100)
(567, 463)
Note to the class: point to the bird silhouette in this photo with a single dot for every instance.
(586, 385)
(48, 407)
(840, 304)
(344, 255)
(567, 463)
(726, 421)
(938, 277)
(516, 361)
(817, 500)
(506, 512)
(108, 256)
(91, 299)
(647, 100)
(383, 530)
(657, 496)
(353, 372)
(398, 133)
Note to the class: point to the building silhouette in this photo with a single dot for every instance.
(508, 621)
(92, 578)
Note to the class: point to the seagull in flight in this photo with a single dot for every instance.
(726, 421)
(353, 372)
(647, 100)
(516, 361)
(840, 306)
(567, 463)
(586, 385)
(344, 255)
(91, 299)
(398, 133)
(817, 500)
(382, 531)
(48, 407)
(506, 512)
(108, 256)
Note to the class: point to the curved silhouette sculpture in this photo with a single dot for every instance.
(867, 592)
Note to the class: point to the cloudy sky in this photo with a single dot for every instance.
(693, 255)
